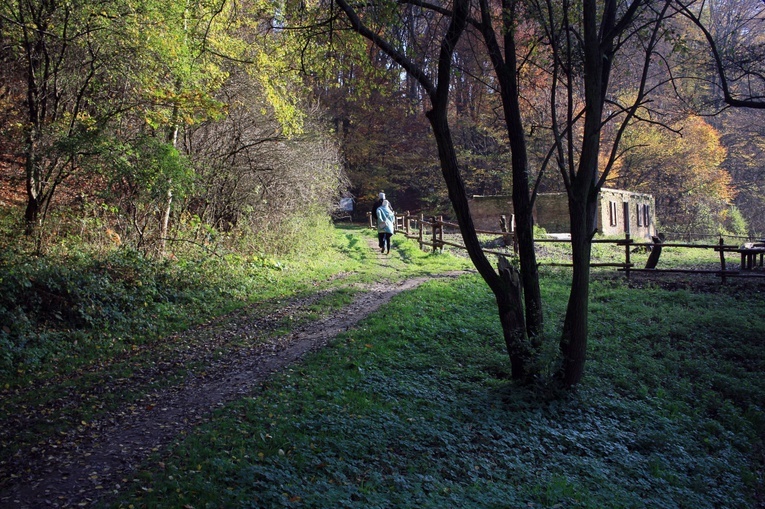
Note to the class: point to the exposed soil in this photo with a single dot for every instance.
(747, 284)
(92, 463)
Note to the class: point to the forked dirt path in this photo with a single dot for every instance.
(93, 466)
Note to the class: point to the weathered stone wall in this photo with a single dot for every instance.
(486, 211)
(619, 212)
(551, 212)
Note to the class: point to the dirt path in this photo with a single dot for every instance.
(93, 464)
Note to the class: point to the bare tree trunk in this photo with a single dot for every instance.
(38, 186)
(34, 182)
(32, 212)
(506, 286)
(573, 343)
(505, 67)
(582, 186)
(510, 309)
(165, 223)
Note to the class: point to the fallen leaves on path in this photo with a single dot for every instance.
(227, 358)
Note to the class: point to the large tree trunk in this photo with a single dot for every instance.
(573, 344)
(506, 288)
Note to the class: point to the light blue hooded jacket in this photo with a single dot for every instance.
(385, 218)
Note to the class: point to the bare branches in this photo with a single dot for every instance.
(753, 94)
(396, 55)
(641, 93)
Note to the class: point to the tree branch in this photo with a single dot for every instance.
(752, 102)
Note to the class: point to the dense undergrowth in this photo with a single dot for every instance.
(415, 409)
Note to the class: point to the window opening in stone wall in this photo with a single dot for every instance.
(612, 213)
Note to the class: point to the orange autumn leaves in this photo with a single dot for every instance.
(681, 167)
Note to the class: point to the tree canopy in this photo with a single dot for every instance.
(159, 110)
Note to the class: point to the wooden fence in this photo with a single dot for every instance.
(429, 233)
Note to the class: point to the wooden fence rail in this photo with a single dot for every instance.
(430, 233)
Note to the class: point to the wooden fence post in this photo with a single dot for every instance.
(653, 258)
(722, 260)
(503, 227)
(433, 234)
(406, 223)
(627, 255)
(419, 236)
(441, 233)
(508, 230)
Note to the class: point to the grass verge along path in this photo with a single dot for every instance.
(89, 461)
(414, 408)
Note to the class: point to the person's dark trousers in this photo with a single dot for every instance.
(384, 239)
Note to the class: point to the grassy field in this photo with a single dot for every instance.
(413, 408)
(83, 336)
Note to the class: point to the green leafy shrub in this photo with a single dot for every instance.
(734, 222)
(43, 301)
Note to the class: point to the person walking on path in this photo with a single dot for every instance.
(385, 225)
(376, 205)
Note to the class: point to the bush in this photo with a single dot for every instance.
(62, 305)
(734, 223)
(305, 234)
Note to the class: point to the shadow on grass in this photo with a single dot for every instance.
(413, 409)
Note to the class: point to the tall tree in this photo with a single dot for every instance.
(588, 45)
(432, 68)
(582, 42)
(61, 49)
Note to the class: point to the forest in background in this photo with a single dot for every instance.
(159, 126)
(168, 126)
(697, 156)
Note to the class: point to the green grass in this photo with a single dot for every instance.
(672, 257)
(414, 408)
(559, 252)
(68, 310)
(103, 328)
